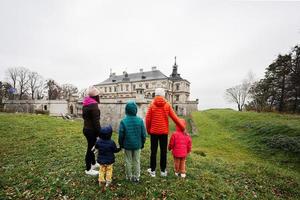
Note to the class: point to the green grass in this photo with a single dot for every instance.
(43, 158)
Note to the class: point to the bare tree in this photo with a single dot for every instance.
(54, 90)
(23, 81)
(82, 93)
(4, 90)
(35, 82)
(12, 76)
(68, 90)
(40, 90)
(239, 93)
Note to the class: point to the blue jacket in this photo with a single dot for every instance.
(132, 133)
(106, 149)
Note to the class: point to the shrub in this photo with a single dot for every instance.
(283, 142)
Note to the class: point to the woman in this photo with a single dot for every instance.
(157, 124)
(91, 128)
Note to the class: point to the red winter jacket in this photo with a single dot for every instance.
(157, 121)
(180, 143)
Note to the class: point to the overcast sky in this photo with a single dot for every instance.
(216, 43)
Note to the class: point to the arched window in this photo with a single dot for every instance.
(71, 109)
(45, 107)
(176, 108)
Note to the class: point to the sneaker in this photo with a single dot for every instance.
(152, 173)
(95, 166)
(176, 174)
(92, 172)
(183, 175)
(164, 174)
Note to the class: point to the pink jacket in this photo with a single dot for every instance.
(180, 143)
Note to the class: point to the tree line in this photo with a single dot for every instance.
(23, 84)
(278, 91)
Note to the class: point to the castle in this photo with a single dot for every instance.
(141, 86)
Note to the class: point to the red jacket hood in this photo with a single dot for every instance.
(159, 101)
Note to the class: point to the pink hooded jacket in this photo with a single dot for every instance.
(180, 142)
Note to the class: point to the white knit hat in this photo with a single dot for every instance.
(160, 92)
(93, 91)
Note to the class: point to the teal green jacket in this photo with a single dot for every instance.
(132, 132)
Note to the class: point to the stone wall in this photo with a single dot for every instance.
(55, 107)
(113, 113)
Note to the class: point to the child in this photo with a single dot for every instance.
(132, 136)
(106, 149)
(181, 145)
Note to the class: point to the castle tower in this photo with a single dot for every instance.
(175, 74)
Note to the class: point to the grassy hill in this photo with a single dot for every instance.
(235, 156)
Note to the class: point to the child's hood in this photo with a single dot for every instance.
(183, 123)
(131, 108)
(106, 132)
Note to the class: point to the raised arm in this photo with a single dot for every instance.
(175, 118)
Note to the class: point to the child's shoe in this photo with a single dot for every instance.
(183, 175)
(152, 173)
(102, 186)
(107, 183)
(95, 166)
(91, 172)
(135, 179)
(164, 174)
(176, 174)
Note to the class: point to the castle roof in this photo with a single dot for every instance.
(141, 76)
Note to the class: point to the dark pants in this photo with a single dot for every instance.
(91, 140)
(163, 143)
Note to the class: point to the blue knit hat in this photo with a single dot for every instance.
(106, 132)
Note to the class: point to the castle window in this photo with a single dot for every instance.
(147, 85)
(140, 85)
(45, 107)
(176, 108)
(115, 88)
(109, 89)
(127, 87)
(177, 86)
(177, 97)
(71, 109)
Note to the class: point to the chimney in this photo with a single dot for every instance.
(141, 69)
(154, 68)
